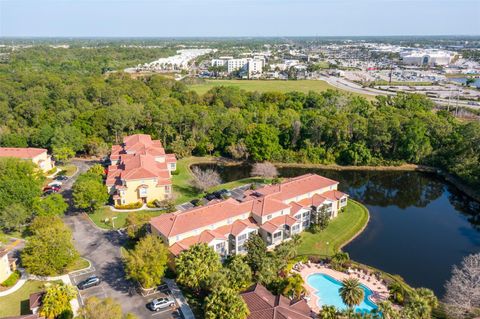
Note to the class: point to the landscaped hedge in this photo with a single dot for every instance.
(12, 280)
(130, 206)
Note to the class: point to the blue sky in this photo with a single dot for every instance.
(170, 18)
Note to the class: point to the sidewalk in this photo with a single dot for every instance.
(180, 299)
(23, 279)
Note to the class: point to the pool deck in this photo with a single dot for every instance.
(380, 291)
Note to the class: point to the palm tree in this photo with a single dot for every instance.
(417, 308)
(340, 258)
(386, 310)
(351, 292)
(328, 312)
(397, 293)
(294, 288)
(427, 295)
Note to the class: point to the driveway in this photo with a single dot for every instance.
(102, 249)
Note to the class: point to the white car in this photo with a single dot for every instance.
(160, 303)
(55, 183)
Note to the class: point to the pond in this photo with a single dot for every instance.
(420, 226)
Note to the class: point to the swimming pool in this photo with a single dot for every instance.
(326, 288)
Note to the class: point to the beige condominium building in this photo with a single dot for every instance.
(275, 212)
(140, 171)
(38, 156)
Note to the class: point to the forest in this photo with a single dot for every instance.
(68, 101)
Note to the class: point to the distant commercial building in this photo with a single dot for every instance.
(255, 67)
(236, 64)
(426, 57)
(38, 156)
(218, 62)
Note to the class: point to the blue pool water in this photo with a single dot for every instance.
(326, 288)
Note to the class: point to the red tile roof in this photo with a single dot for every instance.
(205, 237)
(183, 221)
(276, 223)
(334, 195)
(293, 187)
(24, 153)
(137, 160)
(264, 305)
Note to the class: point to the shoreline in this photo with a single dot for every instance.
(448, 178)
(363, 227)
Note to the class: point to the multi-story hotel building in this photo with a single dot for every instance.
(140, 171)
(275, 212)
(38, 156)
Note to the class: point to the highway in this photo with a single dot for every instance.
(356, 88)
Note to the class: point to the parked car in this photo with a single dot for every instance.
(52, 188)
(89, 282)
(224, 193)
(48, 192)
(55, 183)
(210, 196)
(61, 178)
(160, 303)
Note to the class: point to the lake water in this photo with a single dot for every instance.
(420, 226)
(464, 80)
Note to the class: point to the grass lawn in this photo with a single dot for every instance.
(270, 85)
(79, 264)
(339, 231)
(69, 169)
(17, 304)
(99, 216)
(182, 184)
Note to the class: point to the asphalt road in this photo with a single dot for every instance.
(353, 87)
(102, 249)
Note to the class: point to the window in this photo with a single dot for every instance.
(167, 189)
(177, 238)
(172, 166)
(306, 214)
(242, 237)
(298, 216)
(143, 192)
(241, 248)
(305, 224)
(123, 201)
(229, 221)
(295, 228)
(269, 217)
(277, 236)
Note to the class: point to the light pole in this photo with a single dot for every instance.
(326, 249)
(113, 223)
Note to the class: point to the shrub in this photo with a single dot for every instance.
(12, 280)
(130, 206)
(154, 204)
(175, 172)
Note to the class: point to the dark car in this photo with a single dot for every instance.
(160, 303)
(211, 196)
(89, 282)
(61, 178)
(48, 192)
(224, 193)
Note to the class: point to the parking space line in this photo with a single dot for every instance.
(163, 311)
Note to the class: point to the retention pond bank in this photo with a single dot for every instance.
(420, 225)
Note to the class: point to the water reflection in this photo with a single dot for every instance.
(419, 227)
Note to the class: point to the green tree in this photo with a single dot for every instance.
(256, 252)
(294, 287)
(397, 293)
(385, 308)
(62, 153)
(328, 312)
(136, 224)
(427, 295)
(20, 182)
(107, 308)
(56, 300)
(225, 304)
(238, 273)
(263, 143)
(417, 308)
(196, 264)
(49, 251)
(97, 169)
(147, 262)
(14, 217)
(351, 292)
(89, 192)
(52, 205)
